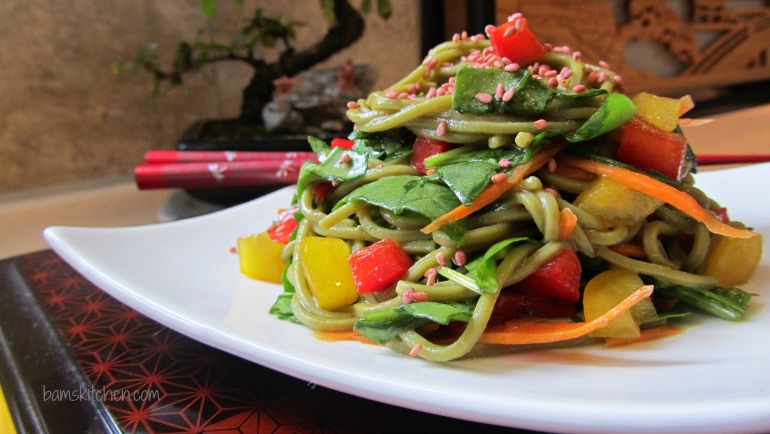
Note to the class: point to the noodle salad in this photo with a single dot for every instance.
(504, 192)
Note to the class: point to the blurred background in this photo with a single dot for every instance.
(64, 116)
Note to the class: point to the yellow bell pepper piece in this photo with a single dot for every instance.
(658, 110)
(326, 269)
(605, 291)
(614, 203)
(731, 261)
(260, 257)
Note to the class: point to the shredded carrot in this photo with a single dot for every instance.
(567, 222)
(530, 331)
(648, 334)
(493, 191)
(573, 172)
(342, 335)
(632, 250)
(662, 191)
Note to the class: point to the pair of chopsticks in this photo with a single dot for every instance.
(214, 169)
(211, 169)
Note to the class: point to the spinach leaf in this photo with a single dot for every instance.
(382, 325)
(330, 168)
(282, 306)
(385, 145)
(726, 303)
(484, 268)
(467, 179)
(615, 112)
(530, 97)
(410, 193)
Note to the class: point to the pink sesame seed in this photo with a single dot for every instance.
(618, 79)
(431, 280)
(484, 97)
(456, 37)
(415, 350)
(500, 90)
(460, 258)
(553, 82)
(431, 92)
(512, 67)
(508, 94)
(441, 129)
(441, 258)
(420, 296)
(498, 178)
(510, 31)
(577, 55)
(504, 163)
(579, 88)
(604, 64)
(353, 105)
(408, 296)
(552, 165)
(403, 95)
(519, 24)
(541, 124)
(393, 94)
(515, 16)
(464, 35)
(551, 73)
(344, 158)
(489, 29)
(430, 272)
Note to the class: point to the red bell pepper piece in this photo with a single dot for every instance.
(378, 266)
(424, 148)
(645, 146)
(559, 277)
(340, 142)
(520, 46)
(281, 230)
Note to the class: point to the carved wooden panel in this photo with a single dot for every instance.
(665, 46)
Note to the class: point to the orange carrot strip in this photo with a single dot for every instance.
(632, 250)
(573, 172)
(648, 334)
(567, 223)
(493, 191)
(342, 335)
(524, 332)
(659, 190)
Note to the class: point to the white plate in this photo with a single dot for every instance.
(713, 377)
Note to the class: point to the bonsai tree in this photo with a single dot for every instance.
(345, 26)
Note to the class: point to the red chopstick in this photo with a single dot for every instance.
(158, 156)
(713, 159)
(198, 171)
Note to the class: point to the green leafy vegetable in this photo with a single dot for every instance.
(409, 193)
(483, 269)
(386, 145)
(330, 167)
(382, 325)
(726, 303)
(282, 306)
(615, 112)
(530, 97)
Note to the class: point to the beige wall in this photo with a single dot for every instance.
(63, 115)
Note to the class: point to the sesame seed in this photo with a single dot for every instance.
(441, 258)
(441, 129)
(577, 55)
(393, 94)
(460, 258)
(604, 64)
(579, 88)
(489, 29)
(500, 90)
(353, 105)
(408, 296)
(344, 158)
(508, 94)
(498, 178)
(510, 31)
(415, 350)
(552, 165)
(553, 82)
(504, 163)
(512, 67)
(541, 124)
(484, 97)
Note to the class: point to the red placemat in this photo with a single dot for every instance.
(150, 378)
